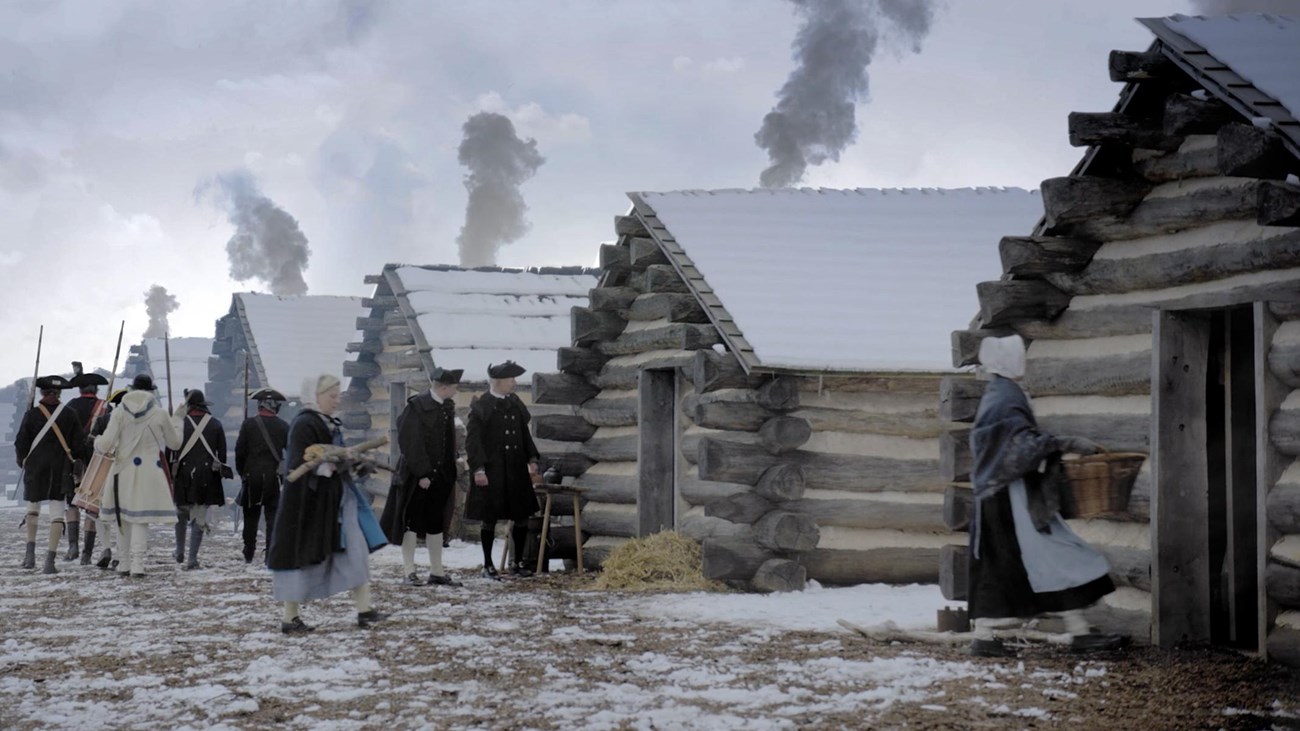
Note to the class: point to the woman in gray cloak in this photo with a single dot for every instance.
(1018, 570)
(324, 528)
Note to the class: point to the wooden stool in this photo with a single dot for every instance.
(550, 491)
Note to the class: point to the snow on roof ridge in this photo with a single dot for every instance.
(550, 270)
(978, 190)
(283, 297)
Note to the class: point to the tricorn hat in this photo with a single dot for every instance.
(445, 376)
(194, 397)
(116, 397)
(83, 380)
(143, 382)
(508, 369)
(267, 394)
(48, 383)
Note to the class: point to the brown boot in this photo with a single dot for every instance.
(49, 563)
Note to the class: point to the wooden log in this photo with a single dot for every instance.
(727, 461)
(955, 457)
(780, 394)
(1007, 301)
(782, 434)
(714, 370)
(618, 447)
(1179, 206)
(374, 279)
(1284, 430)
(1246, 151)
(608, 411)
(742, 507)
(1187, 115)
(959, 397)
(360, 369)
(673, 336)
(966, 347)
(379, 302)
(611, 299)
(562, 428)
(873, 514)
(1128, 66)
(365, 346)
(1284, 355)
(644, 253)
(730, 415)
(597, 548)
(580, 361)
(1119, 374)
(667, 306)
(1028, 257)
(570, 463)
(780, 575)
(355, 420)
(954, 573)
(607, 488)
(615, 258)
(704, 492)
(872, 566)
(663, 278)
(1197, 158)
(732, 559)
(958, 507)
(1279, 204)
(1284, 506)
(698, 527)
(781, 482)
(923, 424)
(393, 318)
(1073, 200)
(609, 520)
(588, 326)
(398, 335)
(561, 388)
(625, 374)
(1284, 645)
(403, 360)
(782, 530)
(1282, 584)
(628, 226)
(1074, 324)
(1117, 128)
(1128, 566)
(1116, 432)
(370, 323)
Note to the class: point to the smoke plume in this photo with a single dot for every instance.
(1229, 7)
(267, 243)
(499, 162)
(158, 303)
(814, 117)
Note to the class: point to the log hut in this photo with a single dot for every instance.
(189, 365)
(12, 399)
(1160, 294)
(421, 316)
(759, 371)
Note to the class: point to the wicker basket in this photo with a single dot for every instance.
(1101, 483)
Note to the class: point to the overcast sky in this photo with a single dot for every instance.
(348, 115)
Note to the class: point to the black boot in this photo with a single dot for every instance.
(29, 557)
(105, 561)
(518, 569)
(49, 563)
(1097, 642)
(179, 554)
(74, 533)
(369, 617)
(196, 540)
(990, 648)
(88, 550)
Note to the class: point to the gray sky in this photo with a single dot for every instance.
(349, 115)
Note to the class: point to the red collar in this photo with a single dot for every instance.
(265, 412)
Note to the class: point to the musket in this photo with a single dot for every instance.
(245, 352)
(112, 376)
(31, 398)
(167, 356)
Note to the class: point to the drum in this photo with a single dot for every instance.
(92, 483)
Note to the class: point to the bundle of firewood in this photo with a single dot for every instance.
(346, 458)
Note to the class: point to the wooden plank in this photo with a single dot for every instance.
(615, 258)
(782, 530)
(624, 375)
(397, 393)
(714, 370)
(1282, 581)
(782, 434)
(732, 559)
(628, 226)
(1194, 159)
(609, 411)
(657, 453)
(1283, 645)
(645, 252)
(1095, 322)
(1180, 525)
(1269, 463)
(1231, 199)
(885, 565)
(663, 278)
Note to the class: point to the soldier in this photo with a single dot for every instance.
(88, 406)
(259, 450)
(197, 472)
(100, 526)
(48, 443)
(425, 477)
(503, 459)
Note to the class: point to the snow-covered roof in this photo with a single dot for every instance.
(1249, 61)
(468, 319)
(840, 280)
(189, 364)
(292, 338)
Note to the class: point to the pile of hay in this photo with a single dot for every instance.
(665, 561)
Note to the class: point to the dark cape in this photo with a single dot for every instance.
(258, 462)
(196, 479)
(84, 408)
(307, 526)
(426, 437)
(498, 442)
(1007, 446)
(47, 471)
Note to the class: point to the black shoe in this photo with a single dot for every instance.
(519, 570)
(179, 556)
(412, 580)
(990, 648)
(106, 560)
(191, 566)
(490, 572)
(446, 543)
(435, 580)
(296, 626)
(1097, 642)
(365, 619)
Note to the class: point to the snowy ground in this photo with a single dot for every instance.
(202, 650)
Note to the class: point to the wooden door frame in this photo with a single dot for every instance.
(656, 499)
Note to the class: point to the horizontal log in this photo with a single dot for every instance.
(780, 394)
(562, 428)
(732, 559)
(955, 459)
(615, 258)
(724, 461)
(1284, 646)
(966, 346)
(1183, 205)
(782, 434)
(781, 482)
(1088, 129)
(609, 520)
(1282, 584)
(872, 566)
(360, 369)
(1284, 430)
(1074, 200)
(1027, 257)
(714, 370)
(781, 530)
(959, 397)
(921, 425)
(1128, 66)
(741, 507)
(663, 278)
(703, 492)
(1196, 158)
(379, 302)
(588, 326)
(1128, 566)
(1118, 374)
(564, 456)
(393, 318)
(673, 336)
(1246, 151)
(355, 420)
(1187, 115)
(1116, 432)
(365, 346)
(611, 299)
(883, 514)
(629, 226)
(698, 527)
(561, 388)
(780, 575)
(954, 573)
(370, 323)
(667, 306)
(958, 507)
(400, 359)
(604, 488)
(1279, 204)
(397, 335)
(1007, 301)
(1122, 619)
(1284, 507)
(610, 411)
(580, 361)
(1074, 324)
(374, 279)
(644, 253)
(1284, 354)
(597, 549)
(730, 415)
(619, 447)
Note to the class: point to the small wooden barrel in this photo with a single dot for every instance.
(92, 483)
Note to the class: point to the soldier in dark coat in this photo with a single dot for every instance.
(100, 526)
(88, 407)
(46, 456)
(503, 459)
(425, 476)
(259, 450)
(197, 471)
